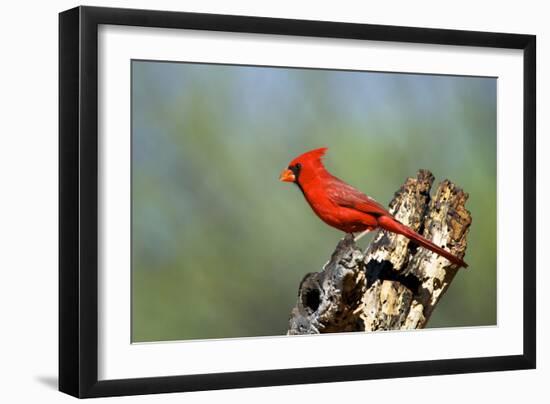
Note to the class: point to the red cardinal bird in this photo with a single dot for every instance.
(340, 205)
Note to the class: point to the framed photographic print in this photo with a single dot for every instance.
(251, 201)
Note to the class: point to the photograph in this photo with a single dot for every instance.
(276, 201)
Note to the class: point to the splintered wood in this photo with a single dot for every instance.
(394, 284)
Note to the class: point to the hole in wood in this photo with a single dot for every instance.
(312, 299)
(384, 271)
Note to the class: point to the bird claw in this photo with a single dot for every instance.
(361, 235)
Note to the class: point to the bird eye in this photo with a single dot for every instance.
(295, 168)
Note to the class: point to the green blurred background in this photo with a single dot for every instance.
(219, 245)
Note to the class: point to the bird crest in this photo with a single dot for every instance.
(311, 156)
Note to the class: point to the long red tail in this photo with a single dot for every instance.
(390, 224)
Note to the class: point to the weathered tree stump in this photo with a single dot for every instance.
(393, 284)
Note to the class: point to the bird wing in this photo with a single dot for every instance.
(346, 196)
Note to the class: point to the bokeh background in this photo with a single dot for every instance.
(219, 245)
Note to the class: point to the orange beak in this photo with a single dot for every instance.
(287, 176)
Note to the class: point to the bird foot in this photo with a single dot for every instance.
(360, 235)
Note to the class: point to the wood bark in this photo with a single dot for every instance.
(393, 284)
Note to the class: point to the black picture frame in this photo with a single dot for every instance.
(78, 200)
